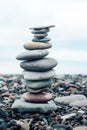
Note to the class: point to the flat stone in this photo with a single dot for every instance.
(35, 76)
(21, 106)
(42, 35)
(37, 45)
(41, 40)
(32, 55)
(38, 84)
(80, 128)
(38, 90)
(80, 103)
(43, 27)
(44, 64)
(68, 116)
(38, 98)
(40, 31)
(69, 99)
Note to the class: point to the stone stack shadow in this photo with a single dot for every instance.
(38, 72)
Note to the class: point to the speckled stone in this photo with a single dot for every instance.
(35, 76)
(37, 45)
(38, 98)
(21, 106)
(32, 55)
(44, 64)
(37, 84)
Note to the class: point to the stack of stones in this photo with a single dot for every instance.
(38, 72)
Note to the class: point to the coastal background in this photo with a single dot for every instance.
(69, 37)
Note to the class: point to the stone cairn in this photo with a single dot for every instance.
(38, 72)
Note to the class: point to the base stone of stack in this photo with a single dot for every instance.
(26, 107)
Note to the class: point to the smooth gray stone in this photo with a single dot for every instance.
(40, 31)
(44, 64)
(69, 99)
(37, 84)
(32, 55)
(37, 45)
(43, 27)
(41, 40)
(35, 76)
(42, 35)
(79, 103)
(22, 106)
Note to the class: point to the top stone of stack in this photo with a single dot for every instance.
(44, 27)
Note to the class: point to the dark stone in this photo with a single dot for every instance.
(44, 64)
(41, 40)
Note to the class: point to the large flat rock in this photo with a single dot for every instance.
(37, 45)
(21, 106)
(32, 54)
(80, 103)
(35, 76)
(44, 64)
(69, 99)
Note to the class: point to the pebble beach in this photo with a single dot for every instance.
(69, 94)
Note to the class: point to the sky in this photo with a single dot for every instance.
(68, 38)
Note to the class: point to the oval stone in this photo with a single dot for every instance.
(38, 98)
(41, 40)
(37, 45)
(44, 64)
(35, 76)
(40, 31)
(43, 27)
(37, 84)
(38, 90)
(32, 55)
(79, 103)
(42, 35)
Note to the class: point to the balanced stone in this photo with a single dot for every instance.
(32, 55)
(43, 35)
(40, 31)
(38, 90)
(39, 97)
(43, 27)
(44, 64)
(41, 40)
(21, 106)
(38, 84)
(79, 103)
(35, 76)
(37, 45)
(69, 99)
